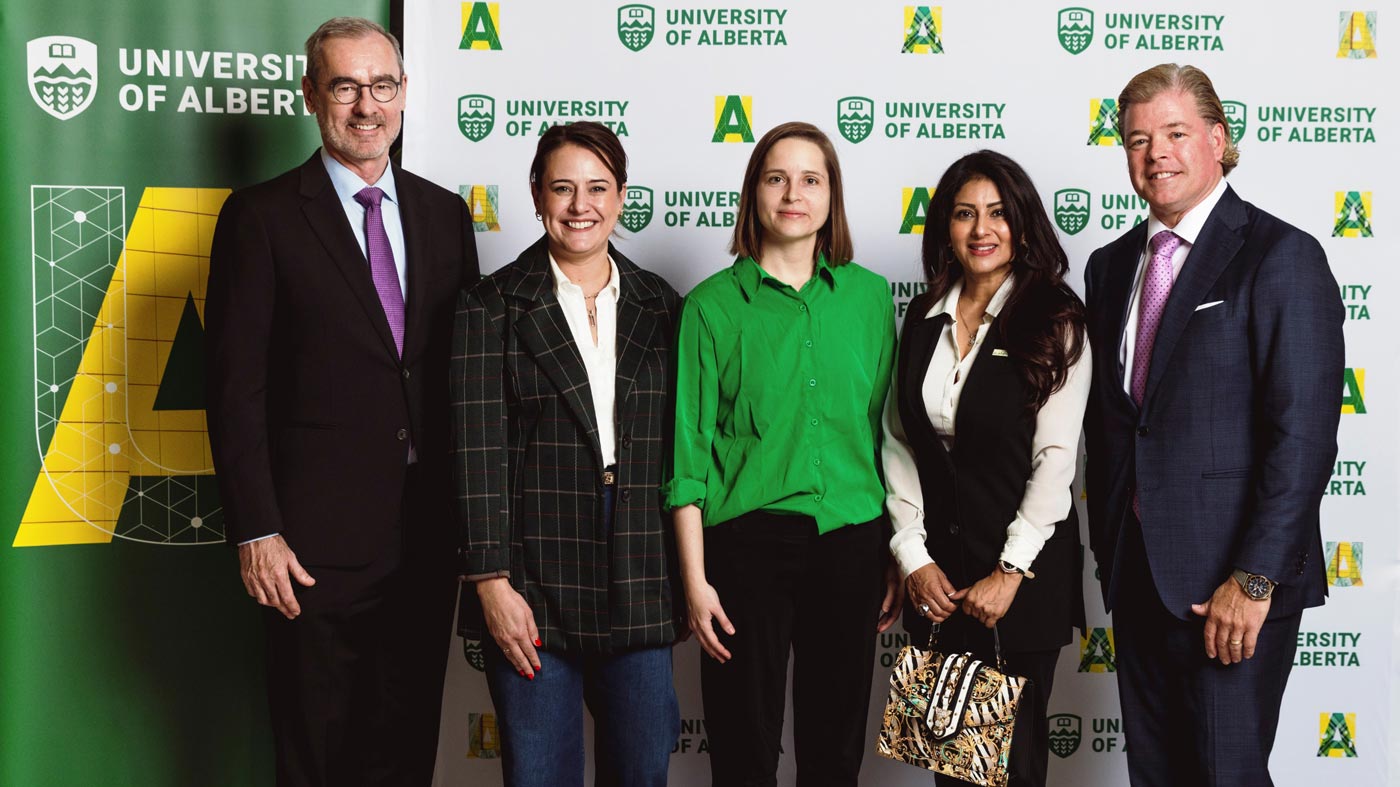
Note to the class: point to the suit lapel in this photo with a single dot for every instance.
(1215, 247)
(413, 215)
(920, 340)
(544, 334)
(326, 216)
(636, 325)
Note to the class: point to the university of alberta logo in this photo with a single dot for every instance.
(1096, 651)
(1076, 29)
(636, 24)
(1066, 731)
(855, 116)
(62, 74)
(637, 208)
(1238, 114)
(1357, 35)
(1338, 735)
(476, 116)
(1103, 122)
(1072, 210)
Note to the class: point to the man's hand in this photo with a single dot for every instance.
(268, 565)
(1233, 620)
(511, 623)
(929, 587)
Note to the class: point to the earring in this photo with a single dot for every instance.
(538, 217)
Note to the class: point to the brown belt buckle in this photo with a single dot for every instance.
(609, 478)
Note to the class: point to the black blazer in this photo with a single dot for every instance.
(529, 465)
(1235, 441)
(972, 493)
(310, 408)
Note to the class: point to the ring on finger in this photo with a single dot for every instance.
(924, 608)
(1235, 643)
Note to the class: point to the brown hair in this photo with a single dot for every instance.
(1041, 327)
(344, 27)
(1190, 80)
(833, 239)
(595, 138)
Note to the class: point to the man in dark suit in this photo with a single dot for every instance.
(1211, 432)
(329, 318)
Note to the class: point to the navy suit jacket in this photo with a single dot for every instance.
(1235, 441)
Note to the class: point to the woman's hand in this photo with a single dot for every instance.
(705, 610)
(991, 596)
(928, 586)
(893, 602)
(511, 623)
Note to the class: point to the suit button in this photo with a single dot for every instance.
(1143, 431)
(402, 434)
(953, 528)
(626, 495)
(627, 441)
(405, 374)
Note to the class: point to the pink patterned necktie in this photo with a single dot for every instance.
(381, 262)
(1155, 289)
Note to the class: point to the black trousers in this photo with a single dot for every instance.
(1189, 719)
(355, 682)
(787, 589)
(1030, 740)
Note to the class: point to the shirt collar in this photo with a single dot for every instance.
(948, 304)
(562, 283)
(1190, 226)
(751, 275)
(347, 184)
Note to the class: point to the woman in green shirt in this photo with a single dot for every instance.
(783, 361)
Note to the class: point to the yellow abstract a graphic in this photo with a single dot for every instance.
(1103, 122)
(1344, 563)
(1337, 735)
(1096, 652)
(483, 202)
(481, 26)
(914, 204)
(733, 119)
(1358, 35)
(1353, 391)
(125, 451)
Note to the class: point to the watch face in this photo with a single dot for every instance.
(1257, 587)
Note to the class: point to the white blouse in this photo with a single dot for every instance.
(1055, 445)
(599, 360)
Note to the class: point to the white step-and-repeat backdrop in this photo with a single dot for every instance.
(904, 90)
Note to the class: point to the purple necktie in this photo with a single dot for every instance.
(1155, 289)
(381, 262)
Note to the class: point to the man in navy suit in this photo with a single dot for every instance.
(328, 328)
(1211, 433)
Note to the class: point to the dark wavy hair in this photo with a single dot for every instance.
(1042, 324)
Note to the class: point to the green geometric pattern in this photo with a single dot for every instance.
(1353, 216)
(1336, 741)
(78, 236)
(922, 32)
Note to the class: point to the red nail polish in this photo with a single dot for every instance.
(538, 644)
(531, 676)
(522, 672)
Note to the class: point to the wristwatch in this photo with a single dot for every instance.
(1256, 586)
(1007, 568)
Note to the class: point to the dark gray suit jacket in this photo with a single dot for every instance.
(1235, 441)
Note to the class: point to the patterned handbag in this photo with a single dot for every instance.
(952, 714)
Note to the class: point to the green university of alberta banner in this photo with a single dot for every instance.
(128, 653)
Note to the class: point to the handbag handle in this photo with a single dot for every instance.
(996, 642)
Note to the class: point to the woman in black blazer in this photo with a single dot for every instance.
(982, 430)
(561, 399)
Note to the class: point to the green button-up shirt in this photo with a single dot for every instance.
(779, 393)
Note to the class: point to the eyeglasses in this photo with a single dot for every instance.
(348, 92)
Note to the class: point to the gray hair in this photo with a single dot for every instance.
(344, 27)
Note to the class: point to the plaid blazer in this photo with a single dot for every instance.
(529, 466)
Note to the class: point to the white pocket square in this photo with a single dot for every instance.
(1205, 306)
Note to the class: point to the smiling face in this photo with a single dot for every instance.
(979, 233)
(579, 203)
(1173, 154)
(794, 193)
(359, 134)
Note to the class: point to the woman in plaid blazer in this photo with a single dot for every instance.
(561, 391)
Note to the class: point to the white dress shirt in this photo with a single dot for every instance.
(1054, 446)
(347, 184)
(599, 360)
(1188, 228)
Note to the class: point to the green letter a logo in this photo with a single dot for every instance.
(733, 119)
(481, 23)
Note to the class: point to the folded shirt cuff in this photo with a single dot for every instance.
(1022, 546)
(911, 556)
(682, 492)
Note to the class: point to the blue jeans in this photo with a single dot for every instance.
(632, 700)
